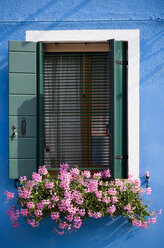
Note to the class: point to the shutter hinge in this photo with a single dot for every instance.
(125, 157)
(121, 62)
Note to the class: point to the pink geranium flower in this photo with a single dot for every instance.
(160, 211)
(112, 191)
(55, 215)
(111, 209)
(148, 191)
(30, 205)
(49, 185)
(154, 220)
(93, 186)
(36, 177)
(15, 224)
(24, 211)
(86, 174)
(42, 170)
(22, 179)
(9, 195)
(115, 199)
(106, 174)
(107, 200)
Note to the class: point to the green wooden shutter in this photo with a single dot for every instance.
(40, 103)
(22, 108)
(119, 120)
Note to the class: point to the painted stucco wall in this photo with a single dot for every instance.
(18, 16)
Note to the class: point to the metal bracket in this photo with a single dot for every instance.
(121, 62)
(14, 134)
(125, 157)
(15, 183)
(147, 181)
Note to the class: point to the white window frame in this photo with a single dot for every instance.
(132, 37)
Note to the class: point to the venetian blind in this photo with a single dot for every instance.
(77, 110)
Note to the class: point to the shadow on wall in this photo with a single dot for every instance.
(44, 8)
(149, 58)
(148, 43)
(22, 23)
(109, 231)
(69, 13)
(100, 233)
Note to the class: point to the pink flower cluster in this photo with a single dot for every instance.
(24, 192)
(49, 185)
(111, 209)
(75, 195)
(22, 179)
(30, 204)
(106, 174)
(86, 174)
(112, 191)
(75, 172)
(24, 211)
(95, 215)
(93, 186)
(55, 198)
(38, 212)
(36, 177)
(42, 170)
(14, 214)
(32, 222)
(9, 195)
(55, 215)
(40, 205)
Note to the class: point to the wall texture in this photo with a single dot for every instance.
(148, 16)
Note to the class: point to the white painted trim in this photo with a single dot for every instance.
(132, 36)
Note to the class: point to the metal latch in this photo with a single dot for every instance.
(15, 134)
(23, 126)
(121, 62)
(121, 157)
(107, 130)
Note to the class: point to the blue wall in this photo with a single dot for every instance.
(16, 17)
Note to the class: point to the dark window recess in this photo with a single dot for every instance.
(77, 110)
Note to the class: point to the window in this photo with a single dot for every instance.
(68, 104)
